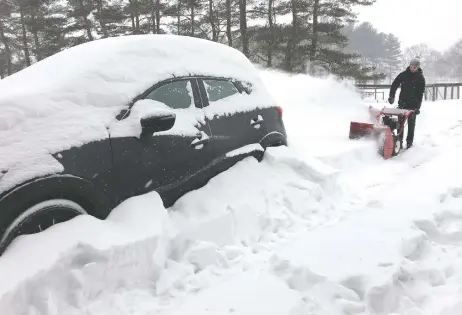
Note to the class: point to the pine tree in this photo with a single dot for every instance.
(52, 29)
(296, 36)
(392, 49)
(311, 37)
(327, 40)
(369, 43)
(244, 38)
(6, 51)
(268, 38)
(78, 12)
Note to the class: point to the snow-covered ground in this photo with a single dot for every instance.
(324, 227)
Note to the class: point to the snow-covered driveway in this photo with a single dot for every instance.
(324, 227)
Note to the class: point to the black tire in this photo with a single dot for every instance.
(38, 218)
(397, 146)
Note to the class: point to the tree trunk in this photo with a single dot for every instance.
(38, 48)
(137, 18)
(269, 62)
(153, 16)
(86, 21)
(101, 20)
(4, 40)
(243, 27)
(134, 16)
(228, 23)
(192, 17)
(212, 22)
(314, 40)
(34, 31)
(291, 42)
(158, 16)
(24, 34)
(179, 17)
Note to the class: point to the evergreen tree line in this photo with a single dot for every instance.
(292, 35)
(384, 54)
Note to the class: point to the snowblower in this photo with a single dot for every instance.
(387, 129)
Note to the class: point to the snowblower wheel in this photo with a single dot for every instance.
(386, 142)
(396, 145)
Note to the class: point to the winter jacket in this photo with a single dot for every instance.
(412, 88)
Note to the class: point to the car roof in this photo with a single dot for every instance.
(110, 72)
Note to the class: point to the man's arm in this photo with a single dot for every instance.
(396, 83)
(419, 91)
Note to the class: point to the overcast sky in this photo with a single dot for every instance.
(437, 23)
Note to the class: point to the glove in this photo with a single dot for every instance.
(417, 111)
(391, 100)
(401, 104)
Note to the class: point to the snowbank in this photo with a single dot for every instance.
(70, 267)
(400, 255)
(63, 267)
(289, 235)
(288, 246)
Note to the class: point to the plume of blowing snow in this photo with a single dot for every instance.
(318, 112)
(326, 105)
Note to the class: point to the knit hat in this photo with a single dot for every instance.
(415, 62)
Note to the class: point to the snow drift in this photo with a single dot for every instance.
(70, 267)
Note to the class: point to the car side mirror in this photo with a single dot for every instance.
(152, 116)
(156, 123)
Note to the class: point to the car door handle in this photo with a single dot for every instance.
(256, 122)
(201, 140)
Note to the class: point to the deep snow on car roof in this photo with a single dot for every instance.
(110, 72)
(70, 98)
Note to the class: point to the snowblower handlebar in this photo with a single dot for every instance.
(396, 111)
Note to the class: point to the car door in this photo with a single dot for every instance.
(231, 125)
(168, 161)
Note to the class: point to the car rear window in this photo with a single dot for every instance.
(219, 89)
(177, 94)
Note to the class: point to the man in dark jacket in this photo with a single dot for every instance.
(412, 83)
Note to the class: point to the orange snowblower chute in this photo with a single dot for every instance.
(359, 130)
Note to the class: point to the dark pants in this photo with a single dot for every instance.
(410, 124)
(410, 130)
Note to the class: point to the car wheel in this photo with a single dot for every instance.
(38, 218)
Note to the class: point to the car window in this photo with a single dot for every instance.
(219, 89)
(177, 94)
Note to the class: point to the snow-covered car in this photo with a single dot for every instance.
(91, 126)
